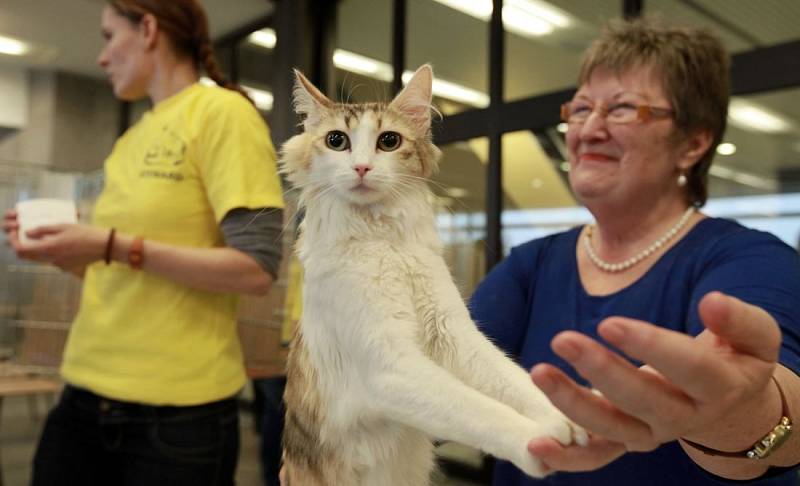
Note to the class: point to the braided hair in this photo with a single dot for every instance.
(186, 24)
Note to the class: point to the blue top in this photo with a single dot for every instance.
(536, 293)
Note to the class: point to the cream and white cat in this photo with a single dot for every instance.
(386, 356)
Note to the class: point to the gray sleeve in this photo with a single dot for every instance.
(257, 233)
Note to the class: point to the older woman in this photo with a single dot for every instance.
(701, 313)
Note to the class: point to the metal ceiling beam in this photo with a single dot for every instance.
(494, 170)
(766, 69)
(398, 44)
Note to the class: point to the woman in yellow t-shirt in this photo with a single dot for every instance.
(190, 215)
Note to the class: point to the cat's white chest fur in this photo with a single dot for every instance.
(341, 295)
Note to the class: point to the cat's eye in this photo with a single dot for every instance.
(388, 141)
(337, 141)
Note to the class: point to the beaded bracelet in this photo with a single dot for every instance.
(109, 246)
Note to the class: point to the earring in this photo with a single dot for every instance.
(682, 180)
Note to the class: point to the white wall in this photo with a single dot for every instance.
(71, 121)
(13, 97)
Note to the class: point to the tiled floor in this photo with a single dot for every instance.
(21, 423)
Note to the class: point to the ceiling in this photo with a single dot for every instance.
(66, 33)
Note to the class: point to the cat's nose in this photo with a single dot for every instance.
(362, 170)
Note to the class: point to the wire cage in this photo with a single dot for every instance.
(46, 300)
(37, 301)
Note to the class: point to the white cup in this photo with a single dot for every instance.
(34, 213)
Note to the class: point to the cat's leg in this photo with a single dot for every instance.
(309, 460)
(413, 390)
(468, 354)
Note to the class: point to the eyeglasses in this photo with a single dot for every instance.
(577, 112)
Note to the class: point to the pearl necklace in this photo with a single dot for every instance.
(618, 267)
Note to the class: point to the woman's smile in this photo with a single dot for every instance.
(596, 157)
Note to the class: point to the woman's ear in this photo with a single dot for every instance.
(695, 146)
(148, 29)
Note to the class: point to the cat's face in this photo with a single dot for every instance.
(363, 153)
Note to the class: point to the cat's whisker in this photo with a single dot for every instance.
(461, 205)
(374, 86)
(342, 86)
(324, 191)
(440, 186)
(438, 116)
(431, 182)
(257, 215)
(417, 184)
(405, 185)
(352, 90)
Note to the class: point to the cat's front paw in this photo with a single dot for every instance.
(552, 424)
(565, 430)
(556, 425)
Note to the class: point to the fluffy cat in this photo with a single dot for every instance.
(386, 356)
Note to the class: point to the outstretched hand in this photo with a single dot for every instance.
(687, 388)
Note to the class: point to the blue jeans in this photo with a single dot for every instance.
(89, 440)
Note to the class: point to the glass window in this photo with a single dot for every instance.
(537, 199)
(456, 44)
(755, 177)
(254, 62)
(461, 206)
(545, 41)
(363, 54)
(761, 150)
(365, 28)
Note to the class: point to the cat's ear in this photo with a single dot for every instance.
(414, 101)
(309, 101)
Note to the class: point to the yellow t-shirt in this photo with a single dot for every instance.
(172, 177)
